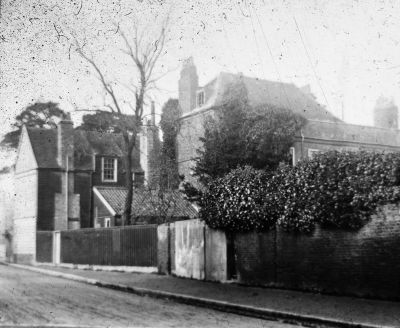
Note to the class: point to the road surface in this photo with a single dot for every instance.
(29, 298)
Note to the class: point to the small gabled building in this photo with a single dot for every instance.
(56, 171)
(152, 206)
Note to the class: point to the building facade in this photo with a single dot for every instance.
(56, 171)
(322, 131)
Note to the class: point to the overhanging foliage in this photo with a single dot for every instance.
(335, 189)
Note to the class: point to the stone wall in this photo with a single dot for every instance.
(362, 263)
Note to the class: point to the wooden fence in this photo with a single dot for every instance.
(118, 246)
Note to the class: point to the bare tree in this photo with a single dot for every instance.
(145, 55)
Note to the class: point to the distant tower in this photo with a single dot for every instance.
(385, 113)
(188, 84)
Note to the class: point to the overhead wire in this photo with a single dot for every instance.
(311, 64)
(272, 58)
(257, 46)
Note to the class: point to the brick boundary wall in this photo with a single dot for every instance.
(363, 263)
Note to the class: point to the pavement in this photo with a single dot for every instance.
(293, 307)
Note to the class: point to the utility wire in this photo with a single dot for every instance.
(311, 64)
(255, 38)
(273, 60)
(229, 45)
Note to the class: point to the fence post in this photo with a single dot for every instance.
(168, 248)
(56, 247)
(205, 251)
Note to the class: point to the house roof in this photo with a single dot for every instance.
(44, 145)
(147, 202)
(262, 92)
(351, 133)
(86, 144)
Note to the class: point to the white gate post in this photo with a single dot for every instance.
(56, 247)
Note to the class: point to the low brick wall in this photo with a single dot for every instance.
(362, 263)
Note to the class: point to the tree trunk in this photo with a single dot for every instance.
(127, 218)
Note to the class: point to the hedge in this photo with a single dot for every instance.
(335, 189)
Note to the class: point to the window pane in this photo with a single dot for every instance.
(108, 169)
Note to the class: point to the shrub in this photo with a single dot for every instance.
(348, 186)
(335, 189)
(291, 188)
(236, 201)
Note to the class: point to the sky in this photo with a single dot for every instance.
(347, 51)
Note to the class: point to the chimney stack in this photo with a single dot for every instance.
(188, 85)
(65, 143)
(67, 204)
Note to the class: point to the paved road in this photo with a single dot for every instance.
(28, 298)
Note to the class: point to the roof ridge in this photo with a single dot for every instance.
(258, 79)
(354, 124)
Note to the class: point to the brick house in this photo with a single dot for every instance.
(56, 171)
(323, 131)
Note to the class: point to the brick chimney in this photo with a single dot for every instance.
(67, 204)
(188, 85)
(65, 144)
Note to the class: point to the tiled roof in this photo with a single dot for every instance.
(149, 202)
(44, 144)
(262, 92)
(86, 144)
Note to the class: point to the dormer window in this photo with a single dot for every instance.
(200, 98)
(109, 169)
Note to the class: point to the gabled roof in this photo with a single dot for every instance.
(86, 144)
(262, 92)
(44, 145)
(147, 202)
